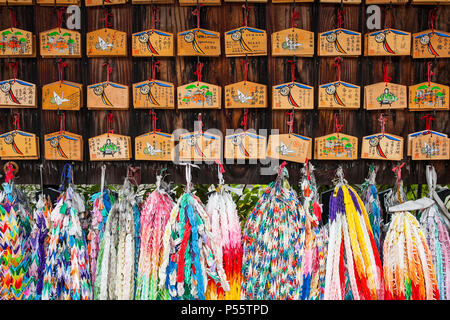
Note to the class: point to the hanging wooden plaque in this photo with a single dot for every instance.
(92, 3)
(415, 135)
(291, 1)
(245, 145)
(430, 2)
(429, 44)
(382, 147)
(386, 1)
(198, 42)
(385, 96)
(153, 94)
(19, 145)
(202, 2)
(343, 1)
(58, 2)
(63, 146)
(17, 43)
(17, 2)
(293, 42)
(249, 1)
(199, 146)
(245, 41)
(110, 147)
(428, 96)
(387, 42)
(156, 146)
(339, 94)
(151, 1)
(291, 147)
(430, 147)
(107, 96)
(336, 147)
(62, 43)
(339, 42)
(199, 95)
(151, 43)
(106, 43)
(17, 94)
(292, 95)
(63, 96)
(245, 94)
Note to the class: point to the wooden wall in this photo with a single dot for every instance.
(222, 71)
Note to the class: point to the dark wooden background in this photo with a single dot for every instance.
(222, 71)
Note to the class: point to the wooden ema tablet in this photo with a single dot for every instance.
(106, 43)
(387, 42)
(343, 1)
(17, 93)
(19, 145)
(415, 135)
(430, 2)
(245, 41)
(202, 2)
(383, 95)
(249, 1)
(339, 94)
(198, 42)
(293, 42)
(154, 94)
(63, 146)
(429, 44)
(339, 42)
(292, 95)
(63, 96)
(92, 3)
(17, 43)
(199, 95)
(109, 147)
(107, 96)
(154, 146)
(382, 147)
(430, 147)
(291, 1)
(245, 145)
(62, 43)
(386, 1)
(291, 147)
(58, 2)
(151, 43)
(432, 96)
(17, 2)
(151, 1)
(245, 94)
(336, 147)
(198, 146)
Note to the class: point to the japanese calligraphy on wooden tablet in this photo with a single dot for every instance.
(293, 42)
(430, 2)
(63, 146)
(153, 94)
(245, 94)
(336, 147)
(157, 146)
(382, 147)
(339, 42)
(107, 96)
(151, 1)
(292, 95)
(428, 96)
(291, 147)
(245, 145)
(106, 43)
(202, 2)
(63, 96)
(291, 1)
(110, 147)
(60, 43)
(339, 94)
(386, 1)
(415, 135)
(245, 41)
(17, 93)
(198, 42)
(17, 43)
(385, 96)
(199, 146)
(19, 145)
(152, 42)
(199, 95)
(92, 3)
(430, 146)
(17, 2)
(255, 1)
(431, 44)
(387, 42)
(343, 1)
(58, 2)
